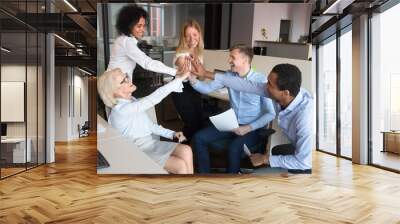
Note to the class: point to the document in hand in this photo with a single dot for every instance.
(225, 121)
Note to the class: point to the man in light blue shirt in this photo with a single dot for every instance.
(252, 111)
(294, 106)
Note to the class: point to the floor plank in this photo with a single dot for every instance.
(70, 191)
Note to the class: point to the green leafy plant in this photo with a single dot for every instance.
(264, 33)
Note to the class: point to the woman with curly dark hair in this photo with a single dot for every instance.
(131, 25)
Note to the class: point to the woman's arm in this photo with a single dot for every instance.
(134, 53)
(154, 98)
(161, 131)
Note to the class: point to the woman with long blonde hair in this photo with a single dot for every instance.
(188, 103)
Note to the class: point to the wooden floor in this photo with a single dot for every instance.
(70, 191)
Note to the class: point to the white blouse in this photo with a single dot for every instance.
(125, 54)
(130, 117)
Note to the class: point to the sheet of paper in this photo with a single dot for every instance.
(246, 150)
(225, 121)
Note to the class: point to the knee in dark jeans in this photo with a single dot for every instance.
(285, 149)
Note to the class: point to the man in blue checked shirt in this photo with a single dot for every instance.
(252, 111)
(294, 107)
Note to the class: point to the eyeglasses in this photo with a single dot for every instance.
(126, 79)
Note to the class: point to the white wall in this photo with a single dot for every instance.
(268, 16)
(71, 87)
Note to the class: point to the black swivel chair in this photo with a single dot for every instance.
(84, 130)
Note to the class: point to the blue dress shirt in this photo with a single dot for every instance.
(296, 122)
(250, 109)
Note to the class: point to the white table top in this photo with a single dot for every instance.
(14, 140)
(122, 155)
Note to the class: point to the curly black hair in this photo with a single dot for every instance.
(289, 78)
(128, 17)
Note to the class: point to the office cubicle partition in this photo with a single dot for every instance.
(22, 76)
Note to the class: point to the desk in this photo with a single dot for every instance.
(16, 147)
(391, 141)
(122, 155)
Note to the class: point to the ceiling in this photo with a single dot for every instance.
(333, 15)
(73, 20)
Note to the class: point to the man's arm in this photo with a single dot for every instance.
(235, 83)
(242, 85)
(206, 87)
(268, 114)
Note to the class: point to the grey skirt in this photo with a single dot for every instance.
(157, 150)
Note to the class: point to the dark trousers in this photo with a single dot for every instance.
(284, 149)
(235, 150)
(189, 107)
(288, 149)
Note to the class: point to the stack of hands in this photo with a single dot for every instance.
(193, 66)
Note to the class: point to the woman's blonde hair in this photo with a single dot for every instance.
(183, 45)
(107, 85)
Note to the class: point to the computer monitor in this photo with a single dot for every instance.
(3, 129)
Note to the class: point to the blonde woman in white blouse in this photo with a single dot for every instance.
(125, 54)
(128, 115)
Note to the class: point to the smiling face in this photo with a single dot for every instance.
(139, 28)
(192, 37)
(237, 60)
(273, 90)
(126, 87)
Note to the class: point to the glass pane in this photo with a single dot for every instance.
(41, 99)
(31, 98)
(13, 86)
(327, 97)
(385, 86)
(346, 94)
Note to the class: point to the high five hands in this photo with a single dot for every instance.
(183, 71)
(197, 68)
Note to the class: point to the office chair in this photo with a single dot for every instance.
(84, 130)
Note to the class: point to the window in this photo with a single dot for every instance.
(22, 67)
(156, 18)
(327, 96)
(346, 93)
(385, 85)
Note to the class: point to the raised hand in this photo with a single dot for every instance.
(184, 70)
(197, 68)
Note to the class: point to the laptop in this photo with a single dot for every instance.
(101, 161)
